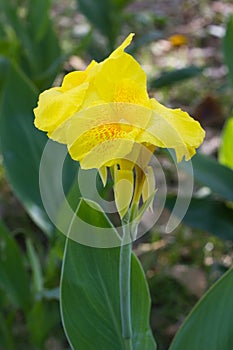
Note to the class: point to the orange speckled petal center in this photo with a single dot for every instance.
(99, 136)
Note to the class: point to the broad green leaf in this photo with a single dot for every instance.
(103, 15)
(9, 16)
(42, 320)
(226, 148)
(22, 146)
(209, 326)
(35, 43)
(90, 297)
(228, 48)
(214, 175)
(14, 279)
(4, 65)
(46, 58)
(121, 3)
(6, 339)
(38, 18)
(208, 214)
(35, 267)
(175, 76)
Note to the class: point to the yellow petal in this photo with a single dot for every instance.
(149, 184)
(103, 175)
(173, 128)
(114, 127)
(55, 106)
(123, 189)
(122, 47)
(91, 67)
(100, 154)
(130, 91)
(73, 80)
(114, 73)
(98, 120)
(76, 78)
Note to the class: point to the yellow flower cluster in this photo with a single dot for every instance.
(102, 113)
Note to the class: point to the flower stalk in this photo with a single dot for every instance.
(124, 278)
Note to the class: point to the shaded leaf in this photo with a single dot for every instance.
(42, 320)
(13, 275)
(6, 339)
(35, 267)
(221, 179)
(175, 76)
(228, 47)
(32, 41)
(22, 146)
(104, 15)
(208, 214)
(4, 66)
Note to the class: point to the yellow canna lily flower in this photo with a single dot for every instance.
(104, 115)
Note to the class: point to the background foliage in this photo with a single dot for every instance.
(39, 42)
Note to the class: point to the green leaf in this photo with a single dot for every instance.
(90, 301)
(32, 41)
(175, 76)
(38, 18)
(36, 268)
(228, 48)
(208, 214)
(13, 275)
(22, 146)
(121, 3)
(42, 320)
(11, 19)
(45, 60)
(6, 339)
(210, 173)
(226, 148)
(209, 326)
(4, 65)
(103, 15)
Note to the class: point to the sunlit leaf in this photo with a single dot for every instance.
(226, 149)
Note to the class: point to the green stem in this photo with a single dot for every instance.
(124, 276)
(128, 344)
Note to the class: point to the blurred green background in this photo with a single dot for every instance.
(186, 49)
